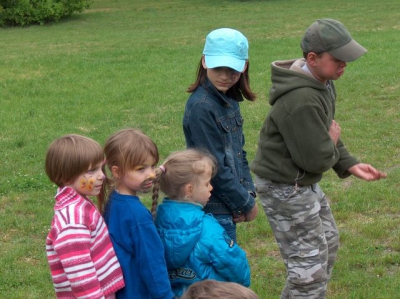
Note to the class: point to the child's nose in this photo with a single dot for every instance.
(152, 174)
(225, 73)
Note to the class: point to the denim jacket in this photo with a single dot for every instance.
(212, 121)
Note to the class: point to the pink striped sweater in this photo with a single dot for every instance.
(82, 260)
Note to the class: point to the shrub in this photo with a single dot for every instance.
(25, 12)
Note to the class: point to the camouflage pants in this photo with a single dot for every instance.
(306, 233)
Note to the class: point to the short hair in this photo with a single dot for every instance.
(305, 54)
(210, 289)
(70, 156)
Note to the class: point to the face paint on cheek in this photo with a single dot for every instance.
(87, 183)
(146, 185)
(90, 184)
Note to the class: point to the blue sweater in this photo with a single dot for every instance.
(197, 247)
(138, 248)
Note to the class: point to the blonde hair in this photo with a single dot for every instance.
(210, 289)
(70, 156)
(179, 169)
(126, 149)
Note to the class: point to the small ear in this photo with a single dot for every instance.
(115, 171)
(203, 62)
(188, 189)
(245, 66)
(312, 58)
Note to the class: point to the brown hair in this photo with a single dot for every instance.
(210, 289)
(242, 87)
(179, 169)
(70, 156)
(126, 149)
(305, 54)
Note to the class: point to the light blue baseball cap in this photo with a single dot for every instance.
(226, 47)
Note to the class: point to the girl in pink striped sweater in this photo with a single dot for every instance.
(82, 260)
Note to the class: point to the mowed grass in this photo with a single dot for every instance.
(128, 63)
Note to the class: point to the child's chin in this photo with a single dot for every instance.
(145, 190)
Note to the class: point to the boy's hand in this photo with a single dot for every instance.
(334, 131)
(366, 172)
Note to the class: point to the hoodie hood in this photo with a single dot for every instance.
(284, 79)
(180, 225)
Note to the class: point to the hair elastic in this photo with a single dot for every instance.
(162, 168)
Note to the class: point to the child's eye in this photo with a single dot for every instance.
(96, 168)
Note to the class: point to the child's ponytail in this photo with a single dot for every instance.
(156, 191)
(103, 195)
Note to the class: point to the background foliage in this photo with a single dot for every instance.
(26, 12)
(127, 63)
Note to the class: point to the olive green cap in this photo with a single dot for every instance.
(328, 35)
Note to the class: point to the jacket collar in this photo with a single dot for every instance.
(66, 196)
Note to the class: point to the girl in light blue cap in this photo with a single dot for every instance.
(213, 121)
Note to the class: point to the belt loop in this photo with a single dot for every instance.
(313, 187)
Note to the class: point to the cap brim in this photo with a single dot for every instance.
(349, 52)
(225, 61)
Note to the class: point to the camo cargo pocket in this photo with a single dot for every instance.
(305, 267)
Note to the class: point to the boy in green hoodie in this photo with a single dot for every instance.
(298, 142)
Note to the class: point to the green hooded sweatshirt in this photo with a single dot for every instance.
(294, 143)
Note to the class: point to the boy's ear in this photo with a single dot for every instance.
(312, 58)
(188, 189)
(115, 171)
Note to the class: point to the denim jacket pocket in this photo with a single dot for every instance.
(239, 120)
(226, 126)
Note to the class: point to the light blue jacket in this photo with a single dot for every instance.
(197, 247)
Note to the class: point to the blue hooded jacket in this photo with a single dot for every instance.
(197, 247)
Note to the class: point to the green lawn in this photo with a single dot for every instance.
(127, 63)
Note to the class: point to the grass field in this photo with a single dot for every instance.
(127, 63)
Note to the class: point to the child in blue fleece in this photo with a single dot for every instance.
(132, 158)
(196, 246)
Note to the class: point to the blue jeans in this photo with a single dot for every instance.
(227, 223)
